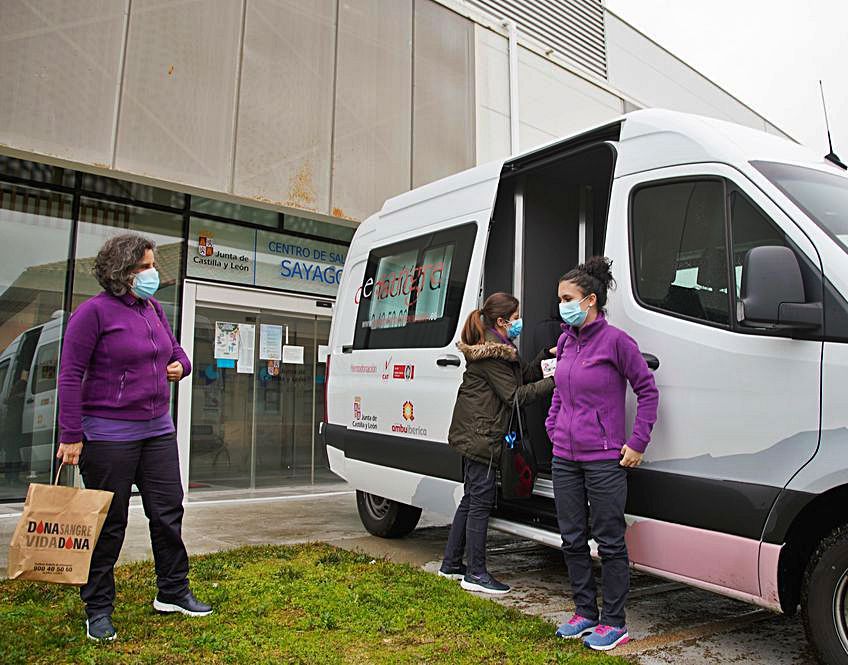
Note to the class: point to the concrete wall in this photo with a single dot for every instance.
(656, 78)
(305, 104)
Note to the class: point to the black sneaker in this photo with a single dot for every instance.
(100, 629)
(453, 572)
(188, 605)
(484, 583)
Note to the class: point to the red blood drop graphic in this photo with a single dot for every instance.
(69, 543)
(40, 528)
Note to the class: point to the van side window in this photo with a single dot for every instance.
(750, 228)
(680, 250)
(412, 291)
(46, 366)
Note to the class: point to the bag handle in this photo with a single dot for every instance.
(61, 466)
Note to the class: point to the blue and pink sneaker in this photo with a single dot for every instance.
(576, 626)
(604, 638)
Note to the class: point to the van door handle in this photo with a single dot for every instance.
(444, 361)
(30, 400)
(347, 348)
(652, 360)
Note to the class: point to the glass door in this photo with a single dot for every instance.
(255, 414)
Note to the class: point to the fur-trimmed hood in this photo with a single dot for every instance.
(488, 349)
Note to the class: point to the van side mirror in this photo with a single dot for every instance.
(772, 291)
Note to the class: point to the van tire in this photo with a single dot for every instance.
(384, 517)
(824, 598)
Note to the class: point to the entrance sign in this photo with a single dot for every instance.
(256, 257)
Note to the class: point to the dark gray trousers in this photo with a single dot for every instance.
(471, 521)
(599, 487)
(153, 465)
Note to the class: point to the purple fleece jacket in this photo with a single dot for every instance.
(586, 418)
(113, 364)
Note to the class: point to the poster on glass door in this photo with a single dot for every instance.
(247, 339)
(226, 340)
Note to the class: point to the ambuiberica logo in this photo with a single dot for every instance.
(406, 427)
(58, 535)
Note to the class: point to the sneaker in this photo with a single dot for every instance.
(484, 583)
(453, 572)
(100, 629)
(604, 638)
(188, 605)
(576, 626)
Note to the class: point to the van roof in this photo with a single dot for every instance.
(649, 139)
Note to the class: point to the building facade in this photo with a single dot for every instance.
(248, 138)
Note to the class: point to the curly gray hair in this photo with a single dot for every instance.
(117, 260)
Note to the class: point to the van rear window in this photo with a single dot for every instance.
(412, 290)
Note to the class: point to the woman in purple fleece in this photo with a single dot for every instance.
(118, 356)
(595, 361)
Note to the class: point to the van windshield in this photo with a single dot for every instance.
(822, 196)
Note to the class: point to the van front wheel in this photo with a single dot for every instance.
(824, 598)
(384, 517)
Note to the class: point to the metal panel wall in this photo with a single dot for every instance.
(646, 71)
(285, 115)
(571, 29)
(554, 102)
(179, 91)
(443, 98)
(492, 65)
(59, 64)
(373, 108)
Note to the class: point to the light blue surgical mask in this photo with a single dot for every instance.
(514, 329)
(145, 283)
(572, 313)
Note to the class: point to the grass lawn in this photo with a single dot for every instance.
(303, 604)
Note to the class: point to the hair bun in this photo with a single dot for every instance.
(600, 267)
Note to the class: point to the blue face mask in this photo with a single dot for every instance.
(145, 283)
(572, 313)
(514, 329)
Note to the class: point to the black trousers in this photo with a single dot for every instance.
(153, 465)
(603, 486)
(471, 521)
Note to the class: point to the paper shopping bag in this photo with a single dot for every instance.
(56, 534)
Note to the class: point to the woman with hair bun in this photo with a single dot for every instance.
(591, 451)
(495, 378)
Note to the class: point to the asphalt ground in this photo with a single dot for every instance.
(668, 622)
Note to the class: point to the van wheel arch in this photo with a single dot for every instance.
(386, 518)
(813, 523)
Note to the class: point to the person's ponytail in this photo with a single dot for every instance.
(473, 332)
(497, 306)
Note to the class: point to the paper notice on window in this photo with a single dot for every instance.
(293, 355)
(323, 352)
(247, 342)
(270, 342)
(226, 340)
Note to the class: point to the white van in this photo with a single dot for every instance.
(730, 249)
(28, 373)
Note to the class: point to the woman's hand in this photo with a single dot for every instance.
(629, 457)
(69, 453)
(175, 371)
(552, 351)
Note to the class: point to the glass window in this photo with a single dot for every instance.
(46, 366)
(679, 249)
(101, 220)
(318, 228)
(412, 291)
(258, 216)
(41, 173)
(750, 228)
(35, 226)
(822, 196)
(132, 190)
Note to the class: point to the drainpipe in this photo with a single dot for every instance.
(512, 33)
(518, 265)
